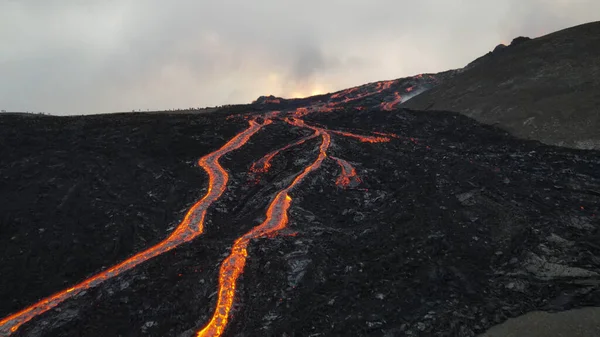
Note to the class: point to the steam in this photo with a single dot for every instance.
(413, 93)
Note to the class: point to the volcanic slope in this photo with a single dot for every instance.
(546, 88)
(337, 214)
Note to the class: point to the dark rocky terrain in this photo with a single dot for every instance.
(546, 88)
(454, 226)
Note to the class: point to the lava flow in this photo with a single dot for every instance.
(348, 176)
(276, 220)
(379, 87)
(389, 106)
(385, 137)
(233, 265)
(353, 94)
(263, 164)
(191, 226)
(193, 222)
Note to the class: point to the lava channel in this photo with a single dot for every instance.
(264, 163)
(233, 265)
(191, 227)
(348, 177)
(276, 220)
(364, 139)
(389, 106)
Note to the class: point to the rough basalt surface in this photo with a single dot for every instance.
(455, 227)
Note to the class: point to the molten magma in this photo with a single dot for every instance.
(344, 92)
(386, 134)
(389, 106)
(276, 220)
(233, 265)
(349, 95)
(191, 226)
(383, 85)
(300, 112)
(264, 163)
(379, 87)
(348, 175)
(364, 139)
(328, 108)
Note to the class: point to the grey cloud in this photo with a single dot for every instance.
(71, 56)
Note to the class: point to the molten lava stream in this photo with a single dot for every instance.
(191, 226)
(392, 135)
(264, 163)
(364, 139)
(233, 265)
(276, 219)
(389, 106)
(381, 86)
(344, 92)
(348, 175)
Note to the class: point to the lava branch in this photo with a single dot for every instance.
(348, 176)
(380, 86)
(389, 106)
(264, 163)
(276, 220)
(233, 265)
(382, 138)
(190, 227)
(364, 139)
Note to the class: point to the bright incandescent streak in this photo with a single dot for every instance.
(348, 177)
(233, 265)
(264, 163)
(276, 219)
(191, 226)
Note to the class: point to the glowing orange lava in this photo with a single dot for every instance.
(191, 226)
(383, 85)
(276, 219)
(364, 139)
(233, 265)
(264, 163)
(385, 134)
(300, 112)
(276, 215)
(348, 176)
(389, 106)
(328, 108)
(345, 92)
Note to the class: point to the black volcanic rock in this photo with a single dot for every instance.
(499, 48)
(518, 40)
(455, 227)
(267, 100)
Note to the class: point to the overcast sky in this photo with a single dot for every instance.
(86, 56)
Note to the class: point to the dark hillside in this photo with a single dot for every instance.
(546, 88)
(454, 227)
